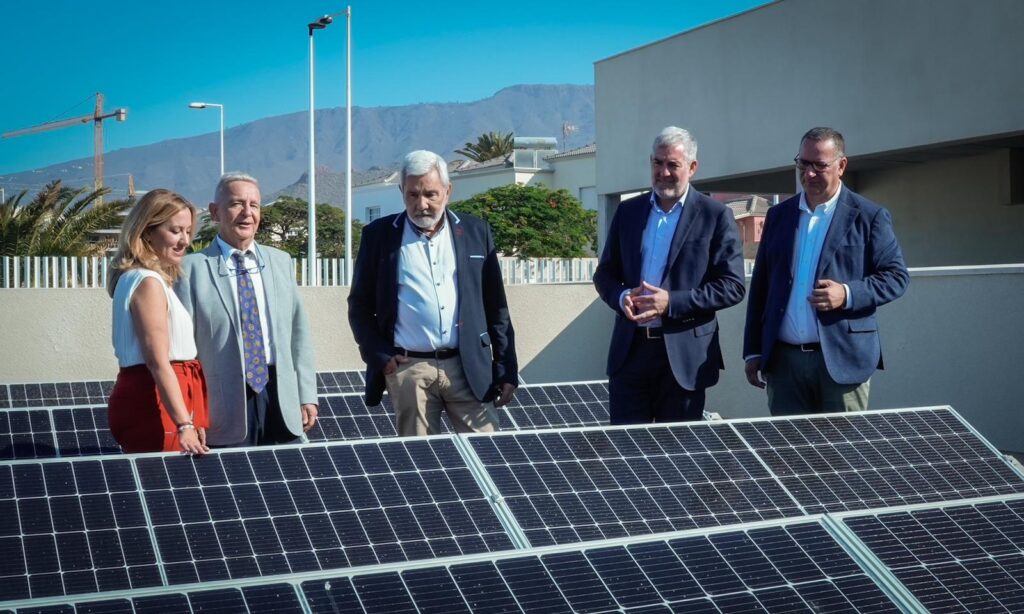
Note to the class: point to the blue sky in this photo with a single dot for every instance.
(155, 57)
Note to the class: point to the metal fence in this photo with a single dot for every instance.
(68, 272)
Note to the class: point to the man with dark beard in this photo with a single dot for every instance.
(673, 257)
(427, 308)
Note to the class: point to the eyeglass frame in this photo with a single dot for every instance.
(803, 165)
(224, 271)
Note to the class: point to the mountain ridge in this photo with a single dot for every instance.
(275, 149)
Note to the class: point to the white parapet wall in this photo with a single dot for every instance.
(955, 338)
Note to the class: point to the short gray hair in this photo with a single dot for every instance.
(421, 162)
(672, 136)
(824, 133)
(231, 177)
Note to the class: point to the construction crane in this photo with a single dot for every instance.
(96, 118)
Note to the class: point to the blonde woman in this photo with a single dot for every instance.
(159, 399)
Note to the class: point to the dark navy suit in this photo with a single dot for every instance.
(704, 273)
(861, 251)
(486, 337)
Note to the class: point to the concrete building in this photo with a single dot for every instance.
(927, 93)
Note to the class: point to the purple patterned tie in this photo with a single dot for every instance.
(252, 331)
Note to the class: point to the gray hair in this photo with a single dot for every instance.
(672, 136)
(231, 177)
(826, 134)
(421, 162)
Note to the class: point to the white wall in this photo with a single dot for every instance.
(889, 75)
(387, 196)
(955, 338)
(950, 212)
(575, 175)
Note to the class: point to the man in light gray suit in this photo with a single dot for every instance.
(250, 327)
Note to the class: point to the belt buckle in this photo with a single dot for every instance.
(807, 347)
(648, 335)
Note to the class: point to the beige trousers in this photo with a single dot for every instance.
(422, 387)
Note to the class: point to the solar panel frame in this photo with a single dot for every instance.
(866, 469)
(953, 556)
(316, 506)
(696, 570)
(566, 485)
(71, 527)
(537, 406)
(340, 382)
(53, 394)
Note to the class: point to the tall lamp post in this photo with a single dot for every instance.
(320, 24)
(220, 107)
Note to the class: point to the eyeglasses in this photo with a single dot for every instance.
(224, 271)
(819, 167)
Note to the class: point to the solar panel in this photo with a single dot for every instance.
(256, 599)
(558, 405)
(346, 416)
(793, 568)
(69, 528)
(49, 433)
(878, 459)
(953, 558)
(55, 394)
(96, 392)
(336, 382)
(585, 484)
(263, 512)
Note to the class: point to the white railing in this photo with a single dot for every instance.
(68, 272)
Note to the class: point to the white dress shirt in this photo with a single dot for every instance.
(657, 241)
(254, 264)
(428, 306)
(800, 322)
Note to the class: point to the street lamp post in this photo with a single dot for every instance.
(320, 24)
(220, 107)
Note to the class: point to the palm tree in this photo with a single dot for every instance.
(54, 223)
(488, 146)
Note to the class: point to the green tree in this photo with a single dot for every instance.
(58, 221)
(285, 225)
(535, 221)
(488, 146)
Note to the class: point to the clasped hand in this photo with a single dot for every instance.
(645, 303)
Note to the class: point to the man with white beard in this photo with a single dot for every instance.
(427, 308)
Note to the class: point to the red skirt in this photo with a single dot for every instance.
(138, 418)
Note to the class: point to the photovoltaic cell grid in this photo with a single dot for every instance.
(798, 567)
(64, 394)
(287, 510)
(262, 599)
(881, 459)
(79, 527)
(961, 558)
(334, 382)
(346, 416)
(68, 528)
(57, 432)
(559, 405)
(581, 485)
(54, 394)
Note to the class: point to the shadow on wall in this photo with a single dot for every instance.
(578, 353)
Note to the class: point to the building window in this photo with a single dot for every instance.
(372, 213)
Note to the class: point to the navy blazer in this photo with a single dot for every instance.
(861, 251)
(486, 337)
(704, 273)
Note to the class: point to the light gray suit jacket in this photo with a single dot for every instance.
(207, 291)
